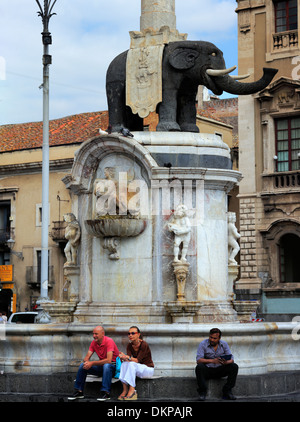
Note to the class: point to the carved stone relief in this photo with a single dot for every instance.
(283, 93)
(285, 97)
(144, 79)
(119, 195)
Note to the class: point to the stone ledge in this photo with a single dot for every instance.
(161, 388)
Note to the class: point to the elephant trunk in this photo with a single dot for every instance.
(232, 86)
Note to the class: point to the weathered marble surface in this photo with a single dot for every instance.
(258, 348)
(113, 267)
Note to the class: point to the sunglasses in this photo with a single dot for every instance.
(132, 334)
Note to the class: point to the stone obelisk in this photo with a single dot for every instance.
(144, 60)
(158, 13)
(157, 24)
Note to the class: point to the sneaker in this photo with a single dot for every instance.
(77, 395)
(104, 395)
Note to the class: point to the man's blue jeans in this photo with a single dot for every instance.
(105, 371)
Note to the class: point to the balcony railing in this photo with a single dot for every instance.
(285, 40)
(286, 180)
(33, 276)
(281, 182)
(58, 231)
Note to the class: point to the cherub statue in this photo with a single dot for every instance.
(180, 225)
(233, 235)
(72, 234)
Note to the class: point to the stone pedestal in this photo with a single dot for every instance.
(158, 170)
(181, 270)
(71, 283)
(245, 308)
(60, 312)
(233, 272)
(63, 312)
(182, 311)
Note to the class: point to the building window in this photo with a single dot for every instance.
(4, 232)
(288, 143)
(4, 221)
(289, 261)
(39, 215)
(39, 266)
(285, 15)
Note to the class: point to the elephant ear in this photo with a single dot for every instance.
(183, 58)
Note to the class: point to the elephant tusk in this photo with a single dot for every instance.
(237, 77)
(220, 72)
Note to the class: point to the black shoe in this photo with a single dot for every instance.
(202, 396)
(77, 395)
(104, 395)
(228, 396)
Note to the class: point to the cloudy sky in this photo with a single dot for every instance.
(87, 35)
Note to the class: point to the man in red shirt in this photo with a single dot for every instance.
(107, 352)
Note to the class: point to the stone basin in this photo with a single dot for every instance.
(258, 348)
(116, 227)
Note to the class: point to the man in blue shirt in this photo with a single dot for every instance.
(215, 360)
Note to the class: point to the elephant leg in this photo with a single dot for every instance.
(134, 121)
(167, 111)
(187, 111)
(116, 105)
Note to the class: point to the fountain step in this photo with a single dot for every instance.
(57, 387)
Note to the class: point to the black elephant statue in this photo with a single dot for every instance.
(185, 66)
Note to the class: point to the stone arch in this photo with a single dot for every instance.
(91, 152)
(289, 258)
(272, 238)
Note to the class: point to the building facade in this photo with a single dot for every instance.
(21, 205)
(269, 154)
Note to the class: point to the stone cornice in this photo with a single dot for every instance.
(35, 167)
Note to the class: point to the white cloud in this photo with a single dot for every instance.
(87, 35)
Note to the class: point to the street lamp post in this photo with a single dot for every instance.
(45, 13)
